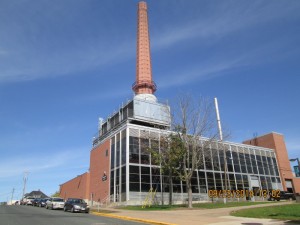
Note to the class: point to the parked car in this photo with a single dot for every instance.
(22, 202)
(35, 201)
(29, 200)
(55, 203)
(42, 202)
(282, 195)
(76, 205)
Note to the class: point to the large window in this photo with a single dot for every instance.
(112, 155)
(218, 181)
(123, 178)
(232, 182)
(123, 147)
(236, 162)
(134, 149)
(275, 166)
(242, 161)
(253, 162)
(270, 163)
(215, 156)
(145, 178)
(155, 172)
(202, 181)
(239, 182)
(265, 165)
(134, 178)
(248, 161)
(260, 164)
(112, 179)
(245, 181)
(145, 155)
(210, 181)
(155, 149)
(118, 151)
(229, 161)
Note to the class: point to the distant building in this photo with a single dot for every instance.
(36, 194)
(121, 169)
(276, 141)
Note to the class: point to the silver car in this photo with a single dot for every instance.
(55, 203)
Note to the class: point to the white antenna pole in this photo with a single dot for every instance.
(224, 151)
(218, 120)
(12, 196)
(24, 183)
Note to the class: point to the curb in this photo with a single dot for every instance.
(131, 219)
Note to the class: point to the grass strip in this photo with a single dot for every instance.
(283, 212)
(206, 205)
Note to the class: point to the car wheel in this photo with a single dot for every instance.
(72, 210)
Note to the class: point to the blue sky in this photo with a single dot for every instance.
(65, 63)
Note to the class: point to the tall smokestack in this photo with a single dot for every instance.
(144, 84)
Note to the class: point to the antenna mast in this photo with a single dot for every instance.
(24, 182)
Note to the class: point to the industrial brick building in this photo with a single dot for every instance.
(122, 171)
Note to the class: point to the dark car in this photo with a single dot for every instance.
(282, 195)
(35, 201)
(76, 205)
(42, 202)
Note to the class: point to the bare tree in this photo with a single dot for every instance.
(187, 147)
(169, 158)
(193, 121)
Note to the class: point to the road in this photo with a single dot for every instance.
(29, 215)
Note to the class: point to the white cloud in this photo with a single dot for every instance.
(32, 66)
(15, 165)
(30, 63)
(220, 65)
(224, 20)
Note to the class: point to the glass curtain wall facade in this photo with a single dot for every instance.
(133, 172)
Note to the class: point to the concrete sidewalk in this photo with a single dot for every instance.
(194, 216)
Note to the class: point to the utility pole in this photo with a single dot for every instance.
(12, 195)
(24, 182)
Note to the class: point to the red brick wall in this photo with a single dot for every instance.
(99, 164)
(276, 141)
(78, 187)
